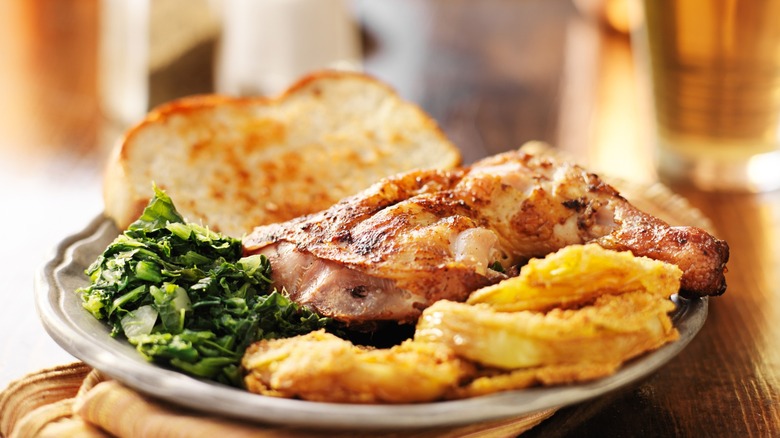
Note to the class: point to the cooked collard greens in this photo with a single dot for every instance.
(186, 297)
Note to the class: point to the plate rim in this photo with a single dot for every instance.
(183, 390)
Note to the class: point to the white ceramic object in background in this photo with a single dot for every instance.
(124, 48)
(265, 45)
(140, 38)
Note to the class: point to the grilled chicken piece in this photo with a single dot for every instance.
(392, 250)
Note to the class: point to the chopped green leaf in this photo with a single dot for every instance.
(186, 297)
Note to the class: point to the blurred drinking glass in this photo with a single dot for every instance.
(713, 67)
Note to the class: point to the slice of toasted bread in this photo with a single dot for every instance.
(235, 163)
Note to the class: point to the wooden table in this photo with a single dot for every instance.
(494, 73)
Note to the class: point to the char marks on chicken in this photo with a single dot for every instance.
(392, 250)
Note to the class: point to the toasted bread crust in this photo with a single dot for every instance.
(235, 163)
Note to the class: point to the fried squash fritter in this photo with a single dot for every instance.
(322, 367)
(614, 329)
(577, 274)
(492, 380)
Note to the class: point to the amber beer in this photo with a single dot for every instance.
(715, 72)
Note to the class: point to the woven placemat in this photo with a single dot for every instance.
(76, 401)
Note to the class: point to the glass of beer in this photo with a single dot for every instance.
(713, 69)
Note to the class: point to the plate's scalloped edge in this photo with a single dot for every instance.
(44, 276)
(100, 352)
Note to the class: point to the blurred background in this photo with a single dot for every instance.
(538, 69)
(75, 74)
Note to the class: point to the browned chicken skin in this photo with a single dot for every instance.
(413, 239)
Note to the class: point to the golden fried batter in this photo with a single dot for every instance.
(322, 367)
(494, 380)
(614, 329)
(577, 274)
